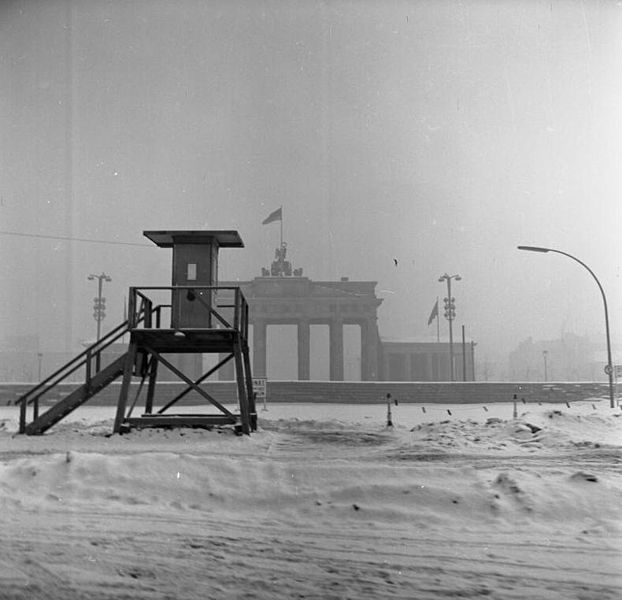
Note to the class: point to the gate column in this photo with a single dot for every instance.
(259, 347)
(304, 350)
(336, 349)
(369, 350)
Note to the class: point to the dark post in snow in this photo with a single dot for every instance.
(464, 370)
(389, 417)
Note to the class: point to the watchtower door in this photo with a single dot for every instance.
(194, 265)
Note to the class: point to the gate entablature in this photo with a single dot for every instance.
(301, 301)
(317, 301)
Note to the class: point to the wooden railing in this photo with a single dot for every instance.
(90, 359)
(229, 312)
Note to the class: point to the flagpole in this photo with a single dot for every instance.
(281, 227)
(438, 327)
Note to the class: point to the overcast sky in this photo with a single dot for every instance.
(440, 133)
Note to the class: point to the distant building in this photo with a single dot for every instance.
(283, 296)
(570, 358)
(424, 361)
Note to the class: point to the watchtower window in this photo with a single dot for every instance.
(192, 272)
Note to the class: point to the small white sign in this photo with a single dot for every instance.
(259, 387)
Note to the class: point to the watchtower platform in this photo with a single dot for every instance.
(192, 316)
(152, 339)
(202, 318)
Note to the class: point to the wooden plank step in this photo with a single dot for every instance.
(178, 420)
(78, 397)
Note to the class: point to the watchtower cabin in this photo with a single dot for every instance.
(192, 316)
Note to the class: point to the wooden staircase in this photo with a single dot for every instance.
(149, 346)
(96, 379)
(78, 397)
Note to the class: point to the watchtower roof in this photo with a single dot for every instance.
(167, 239)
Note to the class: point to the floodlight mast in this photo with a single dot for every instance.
(450, 313)
(98, 306)
(609, 367)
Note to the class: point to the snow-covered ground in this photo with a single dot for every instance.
(324, 501)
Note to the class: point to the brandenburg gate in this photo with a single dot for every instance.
(284, 296)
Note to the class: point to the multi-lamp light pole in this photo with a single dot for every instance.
(450, 314)
(99, 303)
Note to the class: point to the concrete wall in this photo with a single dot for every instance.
(367, 392)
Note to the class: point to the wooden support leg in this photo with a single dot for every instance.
(242, 390)
(130, 357)
(153, 374)
(252, 408)
(23, 407)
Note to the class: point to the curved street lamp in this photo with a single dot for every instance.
(609, 367)
(450, 314)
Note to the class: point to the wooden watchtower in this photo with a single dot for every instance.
(192, 316)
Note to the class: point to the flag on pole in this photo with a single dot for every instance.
(434, 313)
(277, 215)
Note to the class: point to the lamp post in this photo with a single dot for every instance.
(99, 303)
(450, 315)
(546, 372)
(473, 344)
(609, 367)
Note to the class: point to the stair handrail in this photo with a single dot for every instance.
(75, 363)
(71, 366)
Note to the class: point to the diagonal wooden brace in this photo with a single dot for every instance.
(199, 380)
(191, 383)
